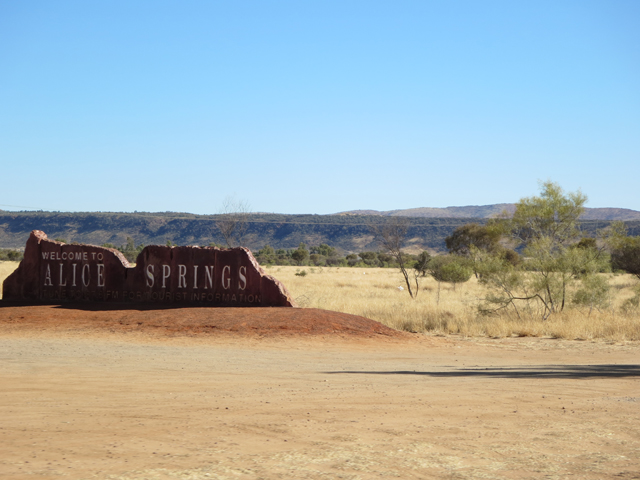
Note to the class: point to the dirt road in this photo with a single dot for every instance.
(87, 404)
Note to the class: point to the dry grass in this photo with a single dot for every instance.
(6, 268)
(374, 293)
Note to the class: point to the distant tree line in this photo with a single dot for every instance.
(11, 255)
(130, 250)
(324, 255)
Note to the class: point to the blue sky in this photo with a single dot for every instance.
(316, 106)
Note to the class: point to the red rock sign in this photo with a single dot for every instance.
(53, 272)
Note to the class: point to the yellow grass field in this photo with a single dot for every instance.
(374, 293)
(6, 268)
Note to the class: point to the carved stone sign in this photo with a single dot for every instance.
(53, 272)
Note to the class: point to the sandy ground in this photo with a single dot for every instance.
(87, 403)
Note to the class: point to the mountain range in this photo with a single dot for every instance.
(347, 231)
(489, 211)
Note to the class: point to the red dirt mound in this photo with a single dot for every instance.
(191, 321)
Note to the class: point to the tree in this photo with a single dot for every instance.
(547, 225)
(391, 236)
(325, 250)
(626, 255)
(546, 228)
(266, 255)
(233, 221)
(450, 269)
(510, 256)
(301, 254)
(369, 258)
(483, 237)
(385, 259)
(317, 259)
(467, 240)
(130, 250)
(422, 262)
(552, 217)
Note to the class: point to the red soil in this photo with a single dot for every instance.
(191, 321)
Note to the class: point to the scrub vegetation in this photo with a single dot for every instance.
(534, 273)
(375, 293)
(8, 254)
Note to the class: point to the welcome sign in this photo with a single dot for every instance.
(53, 272)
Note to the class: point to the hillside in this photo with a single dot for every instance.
(349, 233)
(489, 211)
